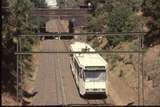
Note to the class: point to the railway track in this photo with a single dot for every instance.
(97, 101)
(56, 80)
(61, 29)
(94, 103)
(63, 96)
(87, 101)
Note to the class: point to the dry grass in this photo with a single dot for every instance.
(125, 67)
(128, 69)
(30, 76)
(8, 100)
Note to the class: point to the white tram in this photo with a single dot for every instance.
(89, 70)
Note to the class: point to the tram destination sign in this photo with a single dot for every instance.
(95, 67)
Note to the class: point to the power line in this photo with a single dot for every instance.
(83, 34)
(78, 52)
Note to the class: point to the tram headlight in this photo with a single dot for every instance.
(89, 90)
(103, 90)
(95, 89)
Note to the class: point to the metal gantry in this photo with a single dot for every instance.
(140, 52)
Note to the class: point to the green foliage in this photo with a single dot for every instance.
(114, 57)
(96, 24)
(16, 19)
(95, 43)
(134, 45)
(151, 9)
(60, 3)
(71, 3)
(119, 20)
(116, 16)
(123, 19)
(39, 3)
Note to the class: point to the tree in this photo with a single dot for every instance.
(39, 3)
(60, 3)
(115, 16)
(151, 9)
(122, 19)
(16, 19)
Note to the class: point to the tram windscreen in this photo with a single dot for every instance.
(95, 75)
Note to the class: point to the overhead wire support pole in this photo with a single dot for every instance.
(142, 61)
(20, 49)
(17, 71)
(138, 72)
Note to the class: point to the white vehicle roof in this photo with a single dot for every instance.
(87, 59)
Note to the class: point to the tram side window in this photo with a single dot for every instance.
(75, 63)
(71, 57)
(76, 66)
(81, 74)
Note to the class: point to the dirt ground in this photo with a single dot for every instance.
(8, 100)
(124, 88)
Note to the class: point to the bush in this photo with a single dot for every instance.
(122, 19)
(16, 19)
(116, 16)
(115, 57)
(134, 45)
(151, 9)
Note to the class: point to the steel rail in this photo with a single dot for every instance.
(60, 73)
(56, 82)
(62, 85)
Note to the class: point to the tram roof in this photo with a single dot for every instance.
(87, 59)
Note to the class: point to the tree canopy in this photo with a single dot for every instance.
(151, 9)
(16, 20)
(39, 3)
(115, 16)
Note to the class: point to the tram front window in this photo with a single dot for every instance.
(95, 75)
